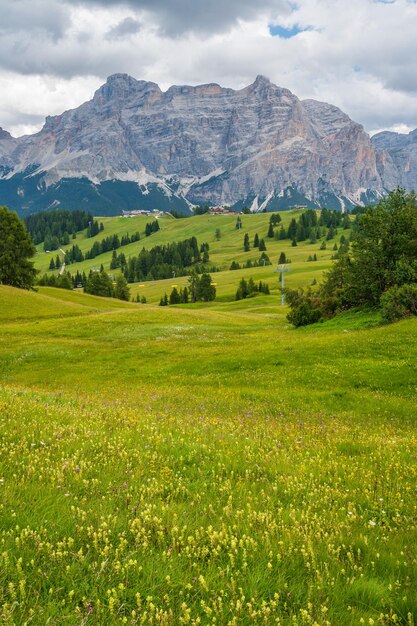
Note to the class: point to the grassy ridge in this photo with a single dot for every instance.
(183, 465)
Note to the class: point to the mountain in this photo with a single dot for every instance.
(402, 149)
(135, 146)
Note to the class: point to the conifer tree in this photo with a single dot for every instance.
(121, 290)
(16, 248)
(246, 244)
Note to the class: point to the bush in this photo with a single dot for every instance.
(304, 313)
(399, 302)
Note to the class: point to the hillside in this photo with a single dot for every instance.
(205, 463)
(172, 457)
(222, 252)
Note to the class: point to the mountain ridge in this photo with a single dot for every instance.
(135, 146)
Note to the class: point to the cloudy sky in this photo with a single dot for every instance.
(358, 54)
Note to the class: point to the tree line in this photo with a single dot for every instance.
(307, 226)
(163, 261)
(57, 227)
(113, 242)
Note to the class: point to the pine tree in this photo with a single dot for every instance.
(270, 230)
(16, 248)
(251, 286)
(331, 233)
(193, 282)
(282, 258)
(206, 291)
(264, 259)
(174, 297)
(274, 219)
(52, 264)
(262, 246)
(242, 291)
(121, 290)
(246, 244)
(256, 241)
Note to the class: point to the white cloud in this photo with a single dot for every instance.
(361, 55)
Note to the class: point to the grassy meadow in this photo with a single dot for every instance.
(205, 464)
(229, 248)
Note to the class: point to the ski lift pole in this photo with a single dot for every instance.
(282, 268)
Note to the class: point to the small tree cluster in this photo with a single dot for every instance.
(63, 281)
(175, 297)
(73, 255)
(200, 289)
(249, 288)
(274, 220)
(100, 284)
(151, 227)
(313, 227)
(94, 228)
(111, 243)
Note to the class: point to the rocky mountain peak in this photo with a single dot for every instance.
(4, 134)
(121, 86)
(261, 80)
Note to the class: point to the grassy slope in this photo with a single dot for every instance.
(222, 252)
(210, 459)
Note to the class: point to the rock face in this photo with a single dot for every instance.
(134, 146)
(402, 152)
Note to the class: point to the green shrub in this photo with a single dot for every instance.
(304, 313)
(399, 302)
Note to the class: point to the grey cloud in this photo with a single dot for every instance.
(30, 15)
(128, 26)
(204, 16)
(11, 119)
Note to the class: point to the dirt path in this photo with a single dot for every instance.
(62, 268)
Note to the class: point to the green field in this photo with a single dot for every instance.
(222, 252)
(205, 464)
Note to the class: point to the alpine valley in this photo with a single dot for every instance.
(134, 146)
